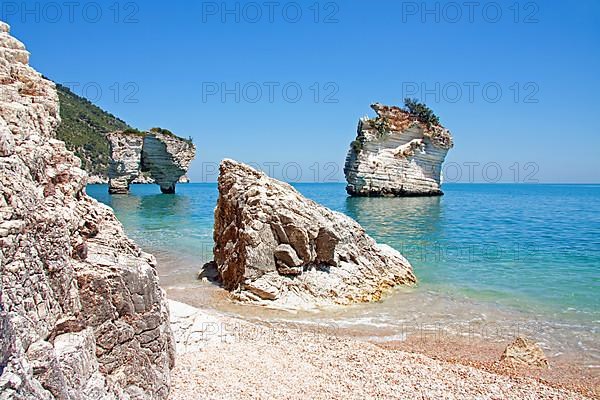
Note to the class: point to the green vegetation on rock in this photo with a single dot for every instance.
(83, 129)
(133, 131)
(357, 146)
(421, 112)
(169, 133)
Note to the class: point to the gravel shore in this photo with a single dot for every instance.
(226, 358)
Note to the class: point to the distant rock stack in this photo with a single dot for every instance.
(125, 160)
(156, 156)
(166, 158)
(273, 246)
(395, 154)
(81, 312)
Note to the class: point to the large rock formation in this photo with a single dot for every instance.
(274, 246)
(156, 156)
(125, 160)
(81, 312)
(167, 158)
(395, 154)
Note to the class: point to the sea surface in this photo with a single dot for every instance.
(493, 261)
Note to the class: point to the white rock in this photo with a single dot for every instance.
(148, 157)
(396, 155)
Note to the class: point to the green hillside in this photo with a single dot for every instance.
(83, 129)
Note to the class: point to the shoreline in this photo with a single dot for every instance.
(483, 353)
(565, 372)
(221, 356)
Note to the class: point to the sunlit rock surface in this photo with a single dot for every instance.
(81, 312)
(275, 247)
(148, 157)
(396, 155)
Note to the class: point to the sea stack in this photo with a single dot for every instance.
(275, 247)
(398, 153)
(125, 160)
(156, 156)
(81, 312)
(166, 158)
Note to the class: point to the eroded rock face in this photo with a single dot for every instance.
(273, 246)
(167, 159)
(524, 352)
(148, 157)
(81, 312)
(396, 155)
(125, 160)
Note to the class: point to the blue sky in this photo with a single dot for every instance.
(166, 64)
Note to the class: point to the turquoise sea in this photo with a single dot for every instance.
(492, 260)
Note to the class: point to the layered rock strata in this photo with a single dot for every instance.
(395, 154)
(273, 246)
(125, 160)
(81, 312)
(148, 157)
(167, 159)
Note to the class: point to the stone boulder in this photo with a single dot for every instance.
(524, 352)
(275, 247)
(395, 154)
(81, 312)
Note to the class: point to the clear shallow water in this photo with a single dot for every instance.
(493, 260)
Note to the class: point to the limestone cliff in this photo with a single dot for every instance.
(125, 160)
(81, 312)
(156, 156)
(273, 246)
(167, 158)
(396, 154)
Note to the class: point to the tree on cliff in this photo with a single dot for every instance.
(420, 111)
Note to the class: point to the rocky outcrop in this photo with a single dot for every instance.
(167, 158)
(156, 156)
(395, 154)
(273, 246)
(524, 352)
(81, 312)
(125, 160)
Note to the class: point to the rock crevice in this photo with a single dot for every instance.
(395, 154)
